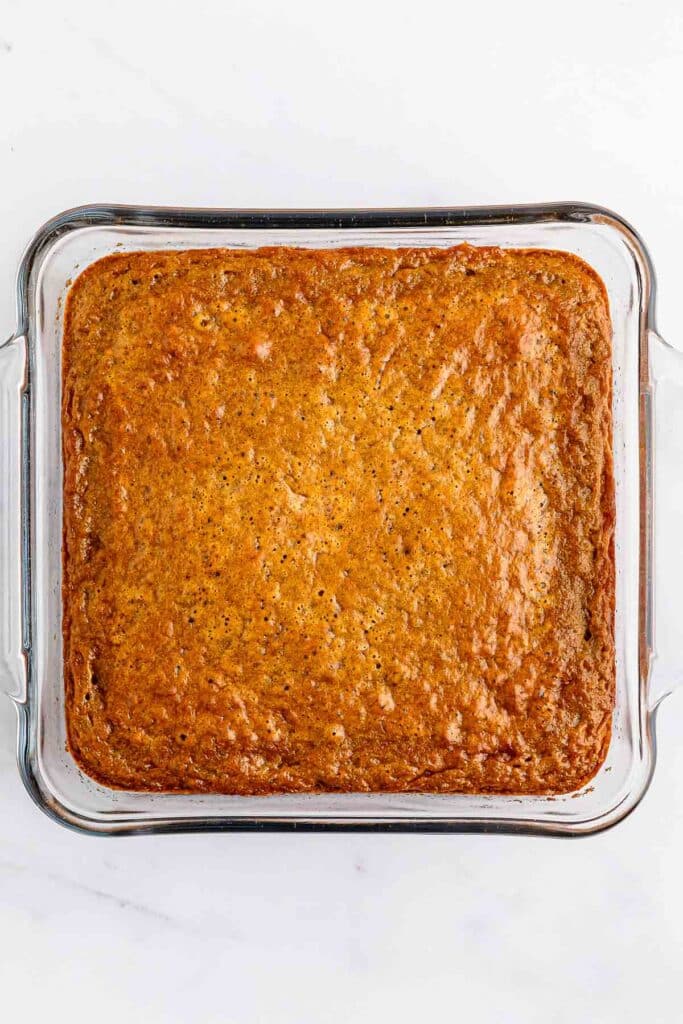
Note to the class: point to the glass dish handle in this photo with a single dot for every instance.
(12, 385)
(666, 467)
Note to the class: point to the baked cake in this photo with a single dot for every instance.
(338, 520)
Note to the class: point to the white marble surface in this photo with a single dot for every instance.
(268, 104)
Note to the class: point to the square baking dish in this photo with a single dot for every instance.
(31, 516)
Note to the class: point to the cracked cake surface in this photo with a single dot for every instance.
(338, 520)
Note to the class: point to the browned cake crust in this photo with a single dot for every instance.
(338, 520)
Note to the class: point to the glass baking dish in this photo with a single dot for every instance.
(647, 374)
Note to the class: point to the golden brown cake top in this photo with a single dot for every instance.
(338, 520)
